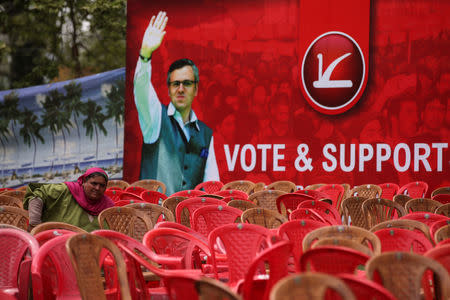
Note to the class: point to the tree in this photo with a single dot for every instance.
(30, 130)
(94, 121)
(10, 113)
(115, 106)
(72, 104)
(81, 36)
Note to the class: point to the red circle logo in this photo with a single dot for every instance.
(333, 71)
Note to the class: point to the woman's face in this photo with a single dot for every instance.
(95, 187)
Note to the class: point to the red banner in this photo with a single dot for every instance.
(308, 91)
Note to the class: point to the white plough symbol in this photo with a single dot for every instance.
(324, 81)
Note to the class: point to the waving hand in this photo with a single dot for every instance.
(154, 34)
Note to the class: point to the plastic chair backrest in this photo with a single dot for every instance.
(137, 190)
(240, 185)
(424, 217)
(181, 227)
(14, 216)
(129, 196)
(436, 225)
(442, 234)
(295, 231)
(188, 193)
(264, 217)
(442, 198)
(121, 203)
(272, 263)
(51, 270)
(172, 202)
(388, 190)
(440, 254)
(306, 213)
(209, 288)
(122, 184)
(175, 249)
(367, 191)
(283, 185)
(209, 187)
(19, 194)
(444, 190)
(209, 217)
(243, 205)
(150, 184)
(153, 197)
(352, 211)
(287, 203)
(18, 249)
(185, 209)
(377, 210)
(312, 193)
(242, 242)
(422, 204)
(232, 193)
(47, 235)
(398, 239)
(335, 192)
(156, 212)
(416, 189)
(329, 209)
(266, 198)
(113, 193)
(364, 288)
(332, 260)
(56, 225)
(85, 251)
(402, 274)
(406, 224)
(10, 201)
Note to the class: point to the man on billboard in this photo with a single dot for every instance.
(178, 149)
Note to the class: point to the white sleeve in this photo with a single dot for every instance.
(147, 102)
(211, 169)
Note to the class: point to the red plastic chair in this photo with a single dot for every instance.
(207, 218)
(266, 269)
(436, 225)
(335, 192)
(416, 189)
(137, 190)
(443, 198)
(181, 227)
(153, 197)
(188, 193)
(287, 203)
(175, 249)
(209, 187)
(332, 260)
(398, 239)
(424, 217)
(231, 198)
(114, 193)
(440, 254)
(129, 196)
(185, 209)
(364, 288)
(52, 273)
(295, 231)
(232, 193)
(388, 190)
(309, 214)
(18, 249)
(313, 193)
(242, 243)
(328, 209)
(127, 201)
(46, 235)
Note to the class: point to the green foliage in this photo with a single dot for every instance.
(115, 106)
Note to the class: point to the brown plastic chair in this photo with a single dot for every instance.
(126, 220)
(343, 243)
(122, 184)
(401, 199)
(151, 185)
(241, 185)
(56, 225)
(283, 185)
(352, 211)
(422, 204)
(444, 210)
(172, 202)
(259, 186)
(154, 211)
(20, 194)
(264, 217)
(266, 199)
(405, 224)
(242, 204)
(14, 216)
(368, 191)
(357, 234)
(6, 200)
(85, 251)
(442, 233)
(440, 190)
(212, 289)
(402, 274)
(378, 210)
(309, 286)
(314, 186)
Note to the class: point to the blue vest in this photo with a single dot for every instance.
(179, 164)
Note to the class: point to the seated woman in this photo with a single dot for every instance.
(77, 203)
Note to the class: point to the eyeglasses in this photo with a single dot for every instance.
(185, 83)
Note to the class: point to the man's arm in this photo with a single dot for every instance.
(147, 102)
(211, 169)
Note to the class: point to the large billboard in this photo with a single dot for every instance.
(308, 91)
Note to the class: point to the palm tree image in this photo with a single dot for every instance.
(93, 122)
(10, 113)
(30, 131)
(72, 104)
(115, 107)
(4, 132)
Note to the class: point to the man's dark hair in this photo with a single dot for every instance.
(178, 64)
